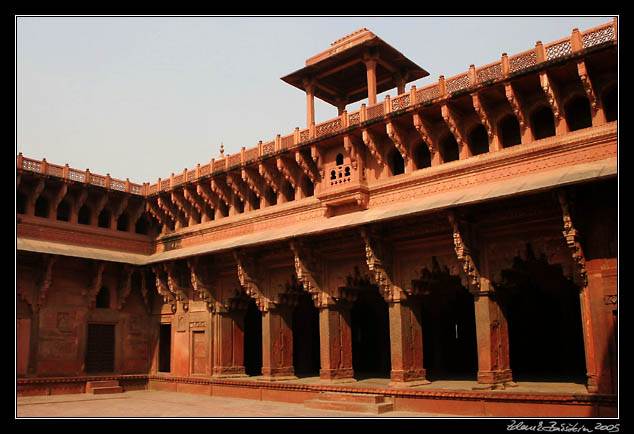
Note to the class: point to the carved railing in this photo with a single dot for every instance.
(499, 70)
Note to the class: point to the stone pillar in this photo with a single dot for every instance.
(309, 86)
(229, 344)
(335, 341)
(494, 369)
(406, 342)
(370, 64)
(277, 345)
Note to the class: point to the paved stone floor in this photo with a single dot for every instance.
(159, 404)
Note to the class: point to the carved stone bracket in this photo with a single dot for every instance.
(480, 107)
(289, 170)
(516, 103)
(551, 95)
(125, 285)
(307, 270)
(463, 252)
(156, 212)
(248, 278)
(452, 120)
(221, 191)
(587, 85)
(95, 283)
(377, 256)
(373, 143)
(176, 283)
(254, 182)
(271, 177)
(571, 235)
(201, 282)
(163, 289)
(426, 134)
(401, 139)
(307, 165)
(37, 299)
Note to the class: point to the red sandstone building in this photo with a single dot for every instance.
(451, 249)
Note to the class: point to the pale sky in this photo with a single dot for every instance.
(142, 97)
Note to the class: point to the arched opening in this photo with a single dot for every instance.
(83, 216)
(142, 226)
(339, 159)
(397, 164)
(103, 298)
(41, 207)
(449, 149)
(165, 348)
(253, 340)
(123, 222)
(271, 196)
(308, 187)
(543, 311)
(103, 221)
(578, 114)
(370, 330)
(479, 140)
(510, 134)
(610, 103)
(63, 211)
(421, 156)
(543, 123)
(306, 361)
(448, 323)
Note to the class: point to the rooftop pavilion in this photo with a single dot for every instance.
(355, 67)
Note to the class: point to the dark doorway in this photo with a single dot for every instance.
(253, 340)
(544, 320)
(370, 330)
(448, 321)
(306, 359)
(165, 348)
(100, 348)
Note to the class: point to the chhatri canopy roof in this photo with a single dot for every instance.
(339, 73)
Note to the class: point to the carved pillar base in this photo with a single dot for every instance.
(277, 346)
(335, 340)
(229, 345)
(406, 340)
(494, 369)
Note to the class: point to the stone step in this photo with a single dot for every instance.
(357, 402)
(103, 387)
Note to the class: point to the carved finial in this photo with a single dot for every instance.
(222, 150)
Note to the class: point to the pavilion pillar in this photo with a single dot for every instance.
(370, 65)
(277, 345)
(335, 341)
(406, 342)
(229, 344)
(309, 86)
(494, 369)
